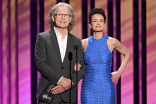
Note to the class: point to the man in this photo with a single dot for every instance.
(51, 55)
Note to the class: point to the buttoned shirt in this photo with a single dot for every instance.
(62, 45)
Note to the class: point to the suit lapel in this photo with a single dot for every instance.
(68, 48)
(55, 42)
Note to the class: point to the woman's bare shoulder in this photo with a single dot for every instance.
(84, 43)
(112, 40)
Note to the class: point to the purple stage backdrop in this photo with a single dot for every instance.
(132, 22)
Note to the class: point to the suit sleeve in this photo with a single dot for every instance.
(82, 70)
(41, 61)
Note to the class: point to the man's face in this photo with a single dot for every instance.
(62, 21)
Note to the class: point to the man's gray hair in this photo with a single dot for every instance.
(52, 12)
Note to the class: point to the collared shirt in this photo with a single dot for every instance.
(62, 43)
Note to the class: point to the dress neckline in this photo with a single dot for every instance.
(99, 38)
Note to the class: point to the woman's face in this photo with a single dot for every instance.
(97, 23)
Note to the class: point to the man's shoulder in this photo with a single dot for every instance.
(44, 33)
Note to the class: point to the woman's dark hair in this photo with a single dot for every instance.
(97, 11)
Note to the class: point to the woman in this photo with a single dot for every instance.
(98, 82)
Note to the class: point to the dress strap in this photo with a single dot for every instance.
(105, 37)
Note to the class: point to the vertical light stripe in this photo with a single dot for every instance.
(5, 52)
(13, 55)
(114, 36)
(48, 4)
(24, 55)
(77, 29)
(127, 40)
(151, 50)
(1, 56)
(88, 11)
(114, 33)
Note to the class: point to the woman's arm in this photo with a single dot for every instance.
(126, 56)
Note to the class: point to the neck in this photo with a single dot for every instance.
(97, 35)
(63, 31)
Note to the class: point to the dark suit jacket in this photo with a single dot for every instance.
(49, 64)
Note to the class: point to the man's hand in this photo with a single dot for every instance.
(79, 66)
(57, 89)
(66, 83)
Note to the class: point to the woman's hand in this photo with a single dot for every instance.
(115, 76)
(79, 66)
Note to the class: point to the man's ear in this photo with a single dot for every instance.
(52, 17)
(70, 19)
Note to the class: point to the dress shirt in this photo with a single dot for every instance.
(62, 45)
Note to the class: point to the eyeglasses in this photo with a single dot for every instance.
(61, 15)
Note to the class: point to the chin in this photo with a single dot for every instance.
(62, 26)
(97, 30)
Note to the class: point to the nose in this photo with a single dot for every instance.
(98, 22)
(63, 16)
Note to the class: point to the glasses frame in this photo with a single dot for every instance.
(61, 15)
